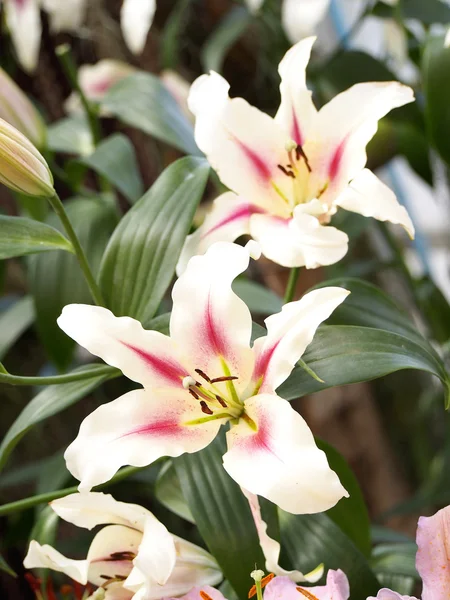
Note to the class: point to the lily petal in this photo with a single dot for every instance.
(386, 594)
(194, 594)
(209, 321)
(297, 111)
(106, 550)
(336, 588)
(48, 558)
(136, 429)
(289, 333)
(148, 357)
(370, 197)
(229, 219)
(433, 540)
(243, 145)
(280, 460)
(65, 16)
(23, 16)
(300, 18)
(136, 18)
(301, 241)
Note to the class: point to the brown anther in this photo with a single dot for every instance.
(203, 375)
(192, 393)
(221, 401)
(220, 379)
(264, 581)
(121, 556)
(300, 153)
(307, 594)
(286, 172)
(33, 581)
(204, 595)
(67, 590)
(205, 408)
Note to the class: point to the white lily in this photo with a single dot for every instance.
(23, 20)
(136, 18)
(290, 174)
(65, 16)
(205, 375)
(133, 557)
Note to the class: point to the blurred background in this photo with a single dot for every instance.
(393, 431)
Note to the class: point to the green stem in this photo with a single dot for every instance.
(64, 55)
(58, 207)
(6, 377)
(26, 503)
(291, 285)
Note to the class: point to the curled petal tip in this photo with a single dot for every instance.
(254, 249)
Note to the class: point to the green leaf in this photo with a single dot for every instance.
(56, 278)
(168, 492)
(71, 135)
(397, 583)
(222, 514)
(223, 38)
(139, 262)
(50, 401)
(6, 568)
(142, 101)
(172, 34)
(350, 514)
(395, 559)
(20, 236)
(259, 299)
(309, 540)
(14, 321)
(344, 354)
(429, 12)
(435, 305)
(436, 85)
(115, 160)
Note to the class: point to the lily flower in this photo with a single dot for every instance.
(133, 557)
(204, 375)
(290, 174)
(23, 20)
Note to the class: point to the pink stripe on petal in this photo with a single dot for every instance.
(167, 428)
(336, 160)
(263, 361)
(213, 334)
(296, 132)
(260, 166)
(173, 372)
(241, 212)
(20, 3)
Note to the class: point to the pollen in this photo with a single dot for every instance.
(307, 594)
(204, 595)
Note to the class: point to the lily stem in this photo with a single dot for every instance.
(291, 285)
(59, 209)
(6, 377)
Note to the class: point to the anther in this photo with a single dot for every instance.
(205, 408)
(306, 593)
(286, 172)
(221, 401)
(204, 595)
(264, 581)
(203, 375)
(220, 379)
(188, 381)
(300, 153)
(194, 394)
(127, 555)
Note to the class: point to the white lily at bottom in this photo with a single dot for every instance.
(288, 175)
(204, 375)
(134, 557)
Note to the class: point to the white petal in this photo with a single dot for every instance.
(24, 23)
(280, 461)
(209, 321)
(148, 357)
(48, 558)
(301, 241)
(65, 16)
(289, 333)
(254, 5)
(244, 145)
(369, 196)
(110, 541)
(297, 111)
(386, 594)
(136, 18)
(301, 17)
(136, 429)
(228, 219)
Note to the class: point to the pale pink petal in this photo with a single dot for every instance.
(244, 145)
(209, 321)
(111, 553)
(432, 559)
(136, 429)
(301, 241)
(369, 196)
(194, 594)
(336, 588)
(289, 333)
(47, 557)
(280, 460)
(23, 16)
(386, 594)
(301, 17)
(297, 111)
(228, 219)
(148, 357)
(136, 18)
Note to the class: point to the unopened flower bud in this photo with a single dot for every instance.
(22, 167)
(16, 109)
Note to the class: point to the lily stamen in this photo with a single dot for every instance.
(205, 408)
(306, 594)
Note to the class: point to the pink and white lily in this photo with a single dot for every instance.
(288, 175)
(133, 557)
(204, 375)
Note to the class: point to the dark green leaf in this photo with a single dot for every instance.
(6, 568)
(56, 278)
(434, 304)
(172, 34)
(142, 101)
(14, 321)
(429, 12)
(71, 135)
(223, 38)
(341, 355)
(168, 492)
(20, 236)
(139, 262)
(115, 160)
(50, 401)
(260, 300)
(397, 583)
(395, 559)
(222, 514)
(309, 540)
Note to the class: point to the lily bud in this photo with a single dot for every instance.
(22, 167)
(17, 110)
